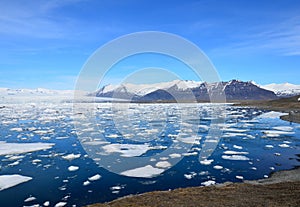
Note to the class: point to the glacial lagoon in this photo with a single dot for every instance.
(52, 154)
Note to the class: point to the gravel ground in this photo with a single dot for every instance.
(282, 189)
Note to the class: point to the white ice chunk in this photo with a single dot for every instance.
(144, 172)
(206, 162)
(127, 150)
(20, 148)
(283, 128)
(230, 152)
(277, 132)
(163, 164)
(237, 147)
(284, 145)
(60, 204)
(30, 198)
(271, 115)
(208, 183)
(239, 177)
(16, 129)
(190, 175)
(95, 177)
(85, 183)
(73, 168)
(8, 181)
(234, 157)
(175, 155)
(71, 156)
(46, 203)
(218, 167)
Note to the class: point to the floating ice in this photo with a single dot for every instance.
(175, 155)
(283, 128)
(190, 175)
(271, 115)
(234, 157)
(71, 156)
(163, 164)
(127, 150)
(237, 147)
(73, 168)
(218, 167)
(143, 172)
(60, 204)
(206, 162)
(229, 152)
(95, 177)
(8, 181)
(276, 132)
(208, 183)
(235, 130)
(85, 183)
(190, 140)
(14, 163)
(16, 129)
(30, 198)
(239, 177)
(20, 148)
(284, 145)
(46, 203)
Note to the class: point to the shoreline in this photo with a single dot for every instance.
(282, 188)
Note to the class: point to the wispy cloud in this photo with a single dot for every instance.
(281, 39)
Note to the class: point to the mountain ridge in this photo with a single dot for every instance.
(180, 90)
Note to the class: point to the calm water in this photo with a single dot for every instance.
(109, 142)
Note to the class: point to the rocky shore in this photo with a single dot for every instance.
(280, 190)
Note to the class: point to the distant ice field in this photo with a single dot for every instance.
(52, 154)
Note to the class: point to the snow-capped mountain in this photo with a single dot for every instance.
(284, 89)
(184, 90)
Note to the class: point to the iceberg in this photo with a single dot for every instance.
(20, 148)
(143, 172)
(8, 181)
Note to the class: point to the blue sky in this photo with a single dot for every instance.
(46, 43)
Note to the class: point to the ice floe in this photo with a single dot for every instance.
(46, 203)
(30, 198)
(218, 167)
(208, 183)
(20, 148)
(190, 175)
(73, 168)
(71, 156)
(144, 172)
(60, 204)
(94, 177)
(163, 164)
(277, 132)
(271, 115)
(234, 157)
(8, 181)
(206, 162)
(284, 145)
(230, 152)
(127, 150)
(283, 128)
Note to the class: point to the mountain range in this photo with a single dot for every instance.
(180, 90)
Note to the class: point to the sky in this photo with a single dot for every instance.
(45, 43)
